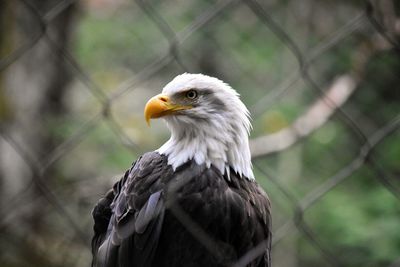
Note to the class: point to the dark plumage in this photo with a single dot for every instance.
(139, 222)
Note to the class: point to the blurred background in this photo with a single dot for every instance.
(320, 78)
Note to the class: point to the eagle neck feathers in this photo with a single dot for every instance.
(219, 143)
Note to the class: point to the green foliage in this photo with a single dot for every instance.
(355, 220)
(127, 40)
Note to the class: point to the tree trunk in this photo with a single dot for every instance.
(32, 85)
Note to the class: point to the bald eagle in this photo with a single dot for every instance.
(194, 201)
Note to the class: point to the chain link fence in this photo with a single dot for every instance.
(313, 178)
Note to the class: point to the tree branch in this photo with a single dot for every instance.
(312, 119)
(320, 112)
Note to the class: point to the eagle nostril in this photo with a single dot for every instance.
(163, 99)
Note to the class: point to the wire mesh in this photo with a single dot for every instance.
(39, 187)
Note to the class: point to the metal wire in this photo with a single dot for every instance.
(367, 156)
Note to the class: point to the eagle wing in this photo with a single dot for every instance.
(134, 227)
(255, 221)
(129, 218)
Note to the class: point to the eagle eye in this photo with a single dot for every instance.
(191, 94)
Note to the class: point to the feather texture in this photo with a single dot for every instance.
(136, 223)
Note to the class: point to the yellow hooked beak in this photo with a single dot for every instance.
(160, 105)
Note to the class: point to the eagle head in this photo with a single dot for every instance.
(208, 123)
